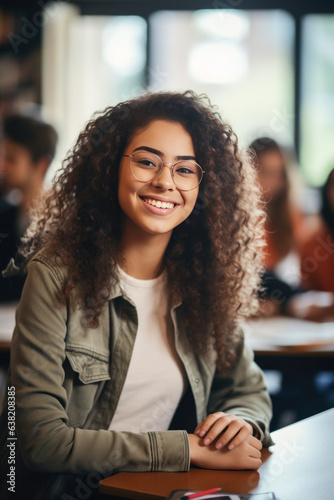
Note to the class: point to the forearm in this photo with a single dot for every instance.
(81, 451)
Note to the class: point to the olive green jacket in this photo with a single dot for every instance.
(68, 379)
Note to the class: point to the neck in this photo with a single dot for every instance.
(29, 195)
(143, 254)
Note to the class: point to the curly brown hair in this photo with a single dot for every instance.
(212, 260)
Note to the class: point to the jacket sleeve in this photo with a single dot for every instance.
(243, 392)
(46, 441)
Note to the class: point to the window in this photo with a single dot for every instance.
(243, 60)
(317, 105)
(89, 63)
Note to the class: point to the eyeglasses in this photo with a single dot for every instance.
(146, 166)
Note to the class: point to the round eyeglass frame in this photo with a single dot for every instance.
(162, 163)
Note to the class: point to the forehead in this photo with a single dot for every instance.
(271, 160)
(14, 148)
(166, 136)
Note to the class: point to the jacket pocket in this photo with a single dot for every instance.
(90, 367)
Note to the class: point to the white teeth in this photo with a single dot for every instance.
(158, 203)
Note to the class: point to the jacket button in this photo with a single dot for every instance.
(197, 380)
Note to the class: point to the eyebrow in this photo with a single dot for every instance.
(160, 153)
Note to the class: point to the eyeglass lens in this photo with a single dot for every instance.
(145, 166)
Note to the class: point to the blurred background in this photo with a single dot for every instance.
(267, 65)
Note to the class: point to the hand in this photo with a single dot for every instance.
(227, 428)
(268, 308)
(312, 312)
(246, 456)
(312, 306)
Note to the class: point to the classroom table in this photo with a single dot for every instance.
(298, 349)
(267, 336)
(292, 336)
(299, 356)
(300, 466)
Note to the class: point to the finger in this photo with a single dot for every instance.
(199, 426)
(230, 433)
(210, 420)
(218, 428)
(255, 454)
(253, 441)
(239, 438)
(255, 463)
(206, 425)
(197, 429)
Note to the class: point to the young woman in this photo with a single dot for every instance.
(317, 264)
(127, 355)
(283, 223)
(284, 228)
(286, 233)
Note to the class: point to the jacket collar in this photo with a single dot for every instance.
(116, 291)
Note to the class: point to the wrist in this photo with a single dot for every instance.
(193, 448)
(255, 430)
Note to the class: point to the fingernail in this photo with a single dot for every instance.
(231, 446)
(207, 441)
(219, 445)
(202, 433)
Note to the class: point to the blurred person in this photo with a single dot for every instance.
(285, 234)
(283, 231)
(317, 264)
(27, 150)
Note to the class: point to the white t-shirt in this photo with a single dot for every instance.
(288, 269)
(156, 379)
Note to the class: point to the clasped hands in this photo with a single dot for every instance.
(223, 441)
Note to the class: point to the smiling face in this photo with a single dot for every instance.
(157, 206)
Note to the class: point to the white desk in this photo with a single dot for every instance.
(7, 323)
(263, 335)
(278, 333)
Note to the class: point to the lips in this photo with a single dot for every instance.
(159, 203)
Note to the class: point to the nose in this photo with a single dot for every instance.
(164, 179)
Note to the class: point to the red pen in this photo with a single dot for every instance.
(200, 494)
